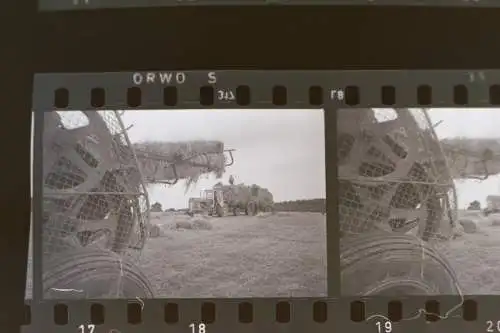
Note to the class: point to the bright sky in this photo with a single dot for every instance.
(469, 123)
(281, 150)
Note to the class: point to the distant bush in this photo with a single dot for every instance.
(474, 205)
(311, 205)
(156, 207)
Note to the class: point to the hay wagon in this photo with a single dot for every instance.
(247, 199)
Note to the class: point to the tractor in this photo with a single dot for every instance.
(210, 202)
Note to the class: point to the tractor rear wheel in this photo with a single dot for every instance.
(219, 210)
(393, 265)
(93, 273)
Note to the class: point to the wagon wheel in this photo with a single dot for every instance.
(93, 273)
(236, 211)
(268, 209)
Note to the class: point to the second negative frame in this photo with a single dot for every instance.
(419, 201)
(184, 204)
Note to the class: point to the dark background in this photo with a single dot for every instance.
(205, 38)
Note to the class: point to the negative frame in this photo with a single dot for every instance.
(338, 89)
(191, 204)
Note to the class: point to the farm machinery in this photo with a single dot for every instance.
(397, 199)
(210, 202)
(95, 203)
(235, 199)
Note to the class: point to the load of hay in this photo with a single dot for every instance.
(472, 157)
(191, 159)
(239, 195)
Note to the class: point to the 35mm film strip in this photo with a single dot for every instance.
(224, 216)
(53, 5)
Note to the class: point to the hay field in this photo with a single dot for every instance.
(263, 256)
(283, 254)
(476, 256)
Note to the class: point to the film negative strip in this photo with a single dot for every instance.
(265, 200)
(51, 5)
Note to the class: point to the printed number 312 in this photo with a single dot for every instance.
(225, 95)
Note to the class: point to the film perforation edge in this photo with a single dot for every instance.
(477, 84)
(406, 83)
(54, 5)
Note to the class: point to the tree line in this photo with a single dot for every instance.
(310, 205)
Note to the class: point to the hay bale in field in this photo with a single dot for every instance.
(283, 214)
(158, 230)
(201, 224)
(494, 220)
(263, 215)
(469, 226)
(458, 231)
(155, 216)
(196, 223)
(183, 225)
(154, 231)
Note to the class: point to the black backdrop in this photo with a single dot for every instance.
(204, 38)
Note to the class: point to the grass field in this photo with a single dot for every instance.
(475, 257)
(282, 255)
(263, 256)
(276, 256)
(238, 256)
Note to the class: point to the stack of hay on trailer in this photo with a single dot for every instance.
(249, 199)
